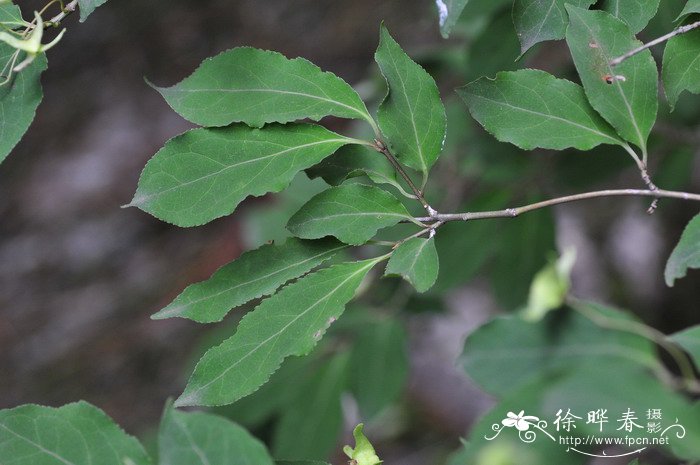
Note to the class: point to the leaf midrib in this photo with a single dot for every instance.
(145, 198)
(362, 113)
(545, 115)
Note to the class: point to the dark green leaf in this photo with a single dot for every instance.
(310, 427)
(681, 66)
(204, 439)
(415, 260)
(509, 352)
(255, 274)
(411, 116)
(204, 174)
(379, 366)
(289, 323)
(19, 99)
(540, 20)
(352, 212)
(257, 86)
(636, 13)
(686, 254)
(88, 6)
(524, 245)
(531, 109)
(448, 14)
(626, 95)
(75, 434)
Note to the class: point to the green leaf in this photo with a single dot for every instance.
(310, 427)
(352, 212)
(289, 323)
(256, 87)
(540, 20)
(273, 397)
(689, 340)
(686, 254)
(681, 66)
(204, 439)
(412, 116)
(636, 13)
(509, 352)
(354, 160)
(379, 366)
(254, 274)
(448, 14)
(486, 56)
(75, 434)
(415, 260)
(533, 109)
(693, 6)
(88, 6)
(19, 99)
(629, 101)
(10, 13)
(204, 174)
(363, 453)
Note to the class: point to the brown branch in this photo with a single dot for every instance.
(517, 211)
(670, 35)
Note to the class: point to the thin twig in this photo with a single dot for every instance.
(381, 147)
(676, 32)
(68, 9)
(516, 211)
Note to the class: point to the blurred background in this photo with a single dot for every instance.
(80, 276)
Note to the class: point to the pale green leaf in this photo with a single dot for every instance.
(540, 20)
(626, 95)
(88, 6)
(412, 116)
(254, 274)
(75, 434)
(636, 13)
(689, 340)
(310, 427)
(531, 108)
(686, 254)
(379, 365)
(416, 261)
(255, 87)
(289, 323)
(10, 13)
(19, 99)
(363, 453)
(693, 6)
(508, 352)
(353, 213)
(550, 287)
(681, 66)
(355, 160)
(448, 14)
(198, 438)
(204, 174)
